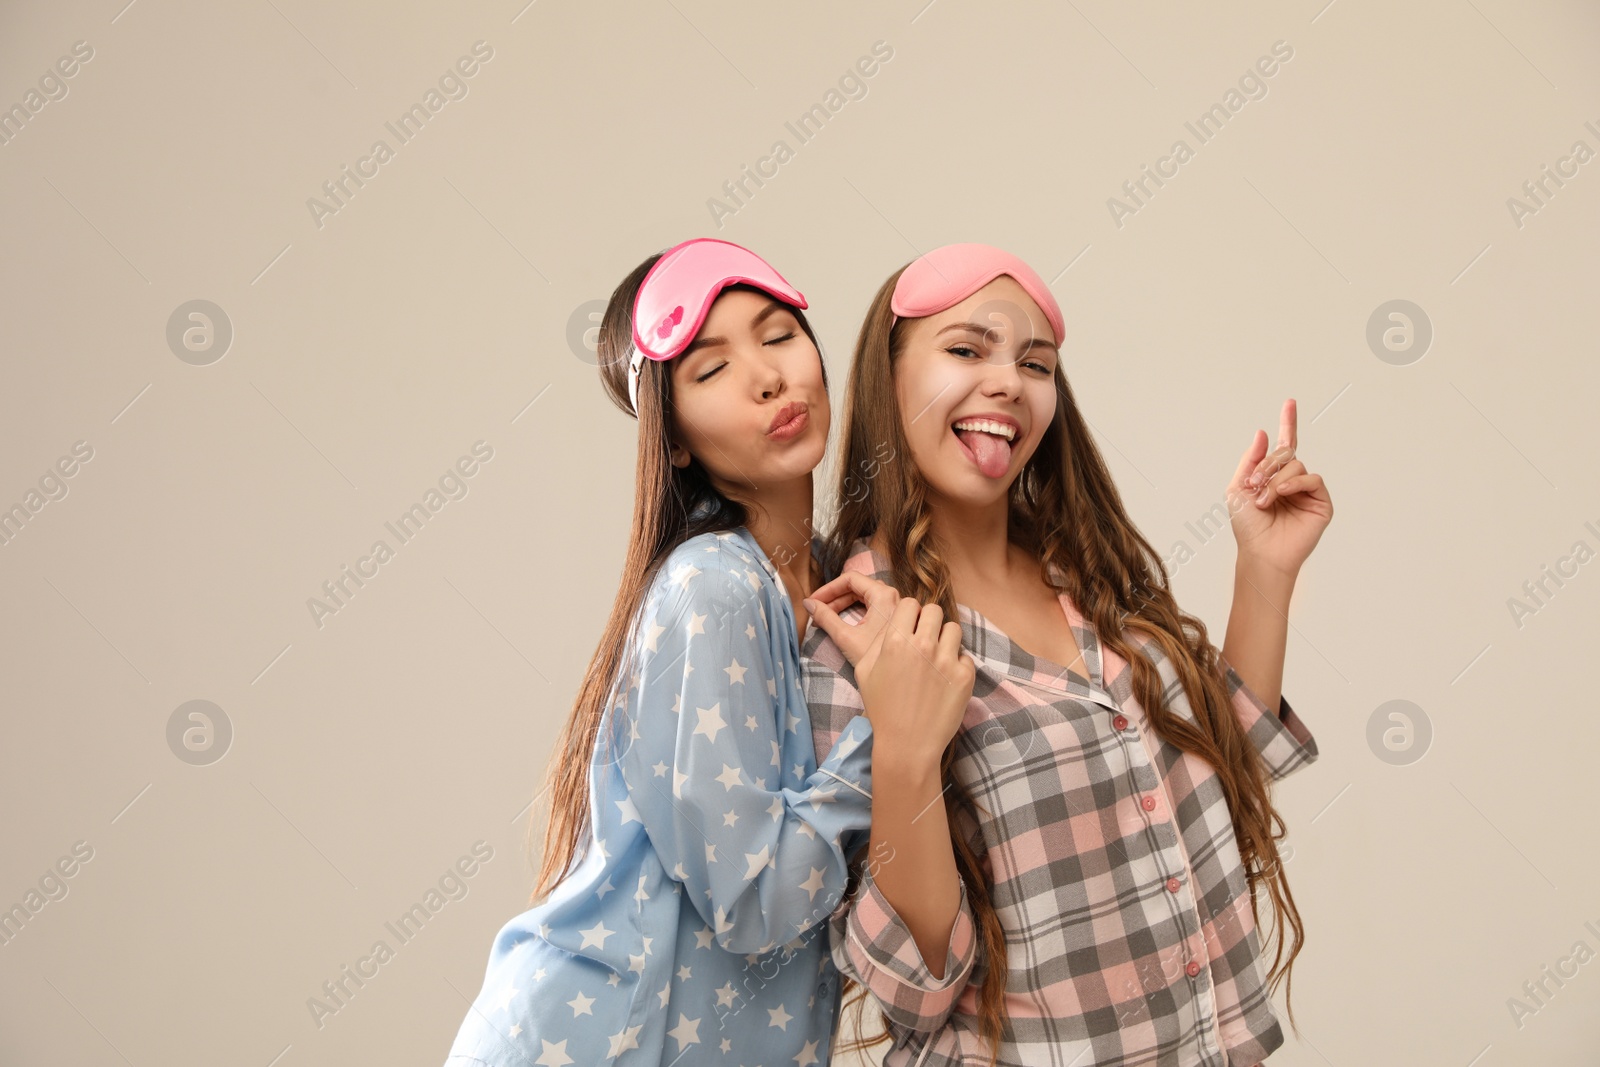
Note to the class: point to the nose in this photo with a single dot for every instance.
(1001, 376)
(769, 376)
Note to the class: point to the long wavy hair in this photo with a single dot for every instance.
(1066, 512)
(665, 499)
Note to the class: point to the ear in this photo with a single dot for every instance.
(679, 455)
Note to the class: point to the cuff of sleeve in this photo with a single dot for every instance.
(850, 759)
(1238, 690)
(1267, 730)
(887, 941)
(1291, 722)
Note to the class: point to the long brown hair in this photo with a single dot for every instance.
(1065, 511)
(665, 500)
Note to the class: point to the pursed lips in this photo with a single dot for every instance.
(787, 414)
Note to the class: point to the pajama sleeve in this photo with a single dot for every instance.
(869, 941)
(873, 945)
(1284, 741)
(759, 860)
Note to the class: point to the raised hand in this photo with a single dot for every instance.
(1277, 508)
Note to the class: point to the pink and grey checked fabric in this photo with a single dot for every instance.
(1112, 861)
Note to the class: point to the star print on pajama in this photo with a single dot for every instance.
(694, 931)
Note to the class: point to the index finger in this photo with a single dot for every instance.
(864, 587)
(1287, 423)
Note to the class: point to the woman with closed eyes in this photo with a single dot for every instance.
(696, 841)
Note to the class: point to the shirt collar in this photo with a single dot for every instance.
(997, 651)
(744, 535)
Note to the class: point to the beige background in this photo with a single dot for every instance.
(434, 309)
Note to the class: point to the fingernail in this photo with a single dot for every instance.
(810, 605)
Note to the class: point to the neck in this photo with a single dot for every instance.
(976, 544)
(780, 522)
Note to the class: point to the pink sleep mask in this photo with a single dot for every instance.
(679, 290)
(946, 276)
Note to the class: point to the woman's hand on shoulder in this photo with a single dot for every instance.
(853, 587)
(915, 678)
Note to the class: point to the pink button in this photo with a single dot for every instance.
(1193, 968)
(1149, 803)
(1120, 722)
(1173, 884)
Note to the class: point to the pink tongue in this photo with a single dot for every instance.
(992, 451)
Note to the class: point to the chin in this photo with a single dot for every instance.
(767, 469)
(979, 496)
(803, 456)
(969, 488)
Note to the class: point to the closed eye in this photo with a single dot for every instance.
(776, 340)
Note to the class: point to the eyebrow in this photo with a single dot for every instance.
(982, 330)
(772, 308)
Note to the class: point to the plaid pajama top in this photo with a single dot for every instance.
(1113, 863)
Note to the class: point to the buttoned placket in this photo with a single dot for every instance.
(1136, 745)
(1163, 824)
(1151, 791)
(1195, 969)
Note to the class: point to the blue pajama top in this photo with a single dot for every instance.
(695, 930)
